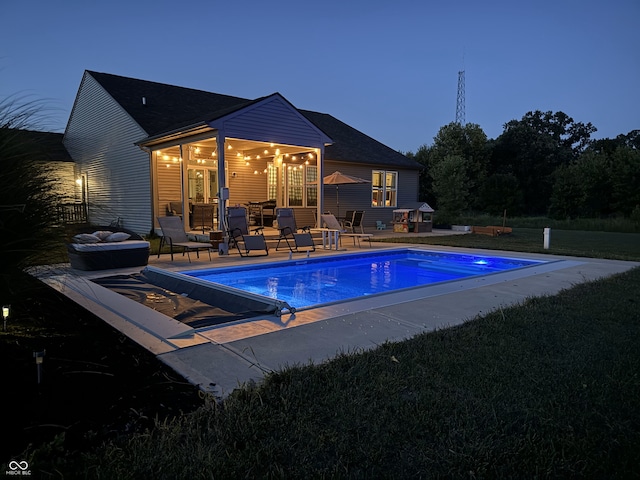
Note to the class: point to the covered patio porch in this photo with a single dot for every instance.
(263, 156)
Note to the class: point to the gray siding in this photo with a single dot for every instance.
(273, 120)
(100, 138)
(358, 196)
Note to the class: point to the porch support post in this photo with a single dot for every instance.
(184, 187)
(222, 182)
(320, 157)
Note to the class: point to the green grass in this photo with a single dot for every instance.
(611, 245)
(621, 225)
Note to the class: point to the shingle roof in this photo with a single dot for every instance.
(351, 145)
(167, 108)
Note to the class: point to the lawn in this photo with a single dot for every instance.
(545, 389)
(612, 245)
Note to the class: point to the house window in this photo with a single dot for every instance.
(272, 182)
(295, 186)
(384, 188)
(312, 185)
(203, 184)
(299, 184)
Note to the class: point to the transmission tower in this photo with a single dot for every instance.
(460, 100)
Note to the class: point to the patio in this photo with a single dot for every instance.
(222, 357)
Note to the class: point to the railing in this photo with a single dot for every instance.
(72, 213)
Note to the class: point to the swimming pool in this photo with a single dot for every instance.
(318, 281)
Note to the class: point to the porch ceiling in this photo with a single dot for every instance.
(242, 148)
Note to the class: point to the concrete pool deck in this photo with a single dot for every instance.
(220, 358)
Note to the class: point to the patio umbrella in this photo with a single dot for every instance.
(339, 178)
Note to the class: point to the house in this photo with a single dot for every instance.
(141, 146)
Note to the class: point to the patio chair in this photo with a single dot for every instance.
(203, 216)
(289, 232)
(238, 231)
(329, 221)
(356, 222)
(174, 208)
(348, 218)
(174, 234)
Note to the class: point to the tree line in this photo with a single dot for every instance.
(543, 164)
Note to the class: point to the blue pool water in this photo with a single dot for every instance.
(314, 281)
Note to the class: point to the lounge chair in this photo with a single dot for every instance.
(174, 234)
(329, 221)
(301, 238)
(239, 236)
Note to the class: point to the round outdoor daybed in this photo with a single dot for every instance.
(105, 248)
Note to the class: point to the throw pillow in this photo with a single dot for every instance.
(86, 238)
(117, 237)
(102, 234)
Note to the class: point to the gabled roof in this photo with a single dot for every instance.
(167, 108)
(413, 206)
(351, 145)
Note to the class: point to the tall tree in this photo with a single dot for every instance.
(625, 179)
(451, 186)
(470, 143)
(534, 147)
(423, 157)
(500, 192)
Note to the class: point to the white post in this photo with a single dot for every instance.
(184, 187)
(223, 188)
(547, 237)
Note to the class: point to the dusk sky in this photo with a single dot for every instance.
(389, 69)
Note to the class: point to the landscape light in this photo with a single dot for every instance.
(5, 314)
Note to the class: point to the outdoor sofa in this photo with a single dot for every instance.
(106, 248)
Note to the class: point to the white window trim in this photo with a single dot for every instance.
(384, 188)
